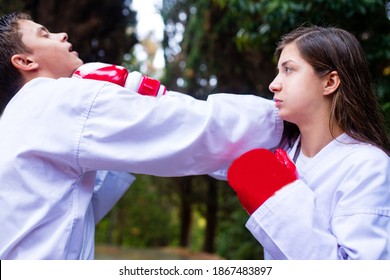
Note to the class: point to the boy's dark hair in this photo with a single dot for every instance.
(11, 43)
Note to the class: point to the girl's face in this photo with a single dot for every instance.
(298, 91)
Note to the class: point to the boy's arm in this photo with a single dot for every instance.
(175, 135)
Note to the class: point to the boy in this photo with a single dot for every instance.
(57, 132)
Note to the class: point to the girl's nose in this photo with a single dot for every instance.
(275, 85)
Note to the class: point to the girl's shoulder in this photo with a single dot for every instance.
(361, 152)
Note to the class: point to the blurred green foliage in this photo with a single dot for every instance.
(148, 216)
(145, 217)
(232, 41)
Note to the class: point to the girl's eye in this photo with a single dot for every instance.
(287, 69)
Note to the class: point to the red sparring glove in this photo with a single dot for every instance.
(119, 75)
(256, 175)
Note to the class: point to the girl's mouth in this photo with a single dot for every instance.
(277, 102)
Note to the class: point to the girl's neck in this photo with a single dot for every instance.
(314, 139)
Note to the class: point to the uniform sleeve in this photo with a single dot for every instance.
(174, 135)
(289, 227)
(290, 224)
(109, 188)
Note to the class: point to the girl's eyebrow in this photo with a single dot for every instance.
(286, 62)
(283, 64)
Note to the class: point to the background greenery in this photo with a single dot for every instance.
(223, 46)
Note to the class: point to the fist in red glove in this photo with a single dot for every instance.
(258, 174)
(119, 75)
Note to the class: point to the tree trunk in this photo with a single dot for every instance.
(211, 215)
(185, 189)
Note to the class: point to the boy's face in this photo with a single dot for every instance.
(51, 52)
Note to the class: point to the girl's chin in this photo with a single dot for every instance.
(285, 117)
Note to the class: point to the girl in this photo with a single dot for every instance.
(338, 207)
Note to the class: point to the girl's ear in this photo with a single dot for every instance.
(332, 83)
(22, 62)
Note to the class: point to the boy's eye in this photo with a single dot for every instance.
(43, 32)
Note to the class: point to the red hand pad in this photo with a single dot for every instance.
(283, 158)
(111, 73)
(257, 175)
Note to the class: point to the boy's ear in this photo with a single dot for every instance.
(23, 62)
(332, 83)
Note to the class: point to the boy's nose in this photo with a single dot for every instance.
(63, 36)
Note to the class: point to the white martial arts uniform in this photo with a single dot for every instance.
(339, 209)
(55, 135)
